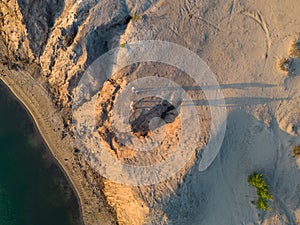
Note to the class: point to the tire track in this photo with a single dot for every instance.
(258, 18)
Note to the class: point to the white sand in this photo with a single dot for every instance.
(245, 40)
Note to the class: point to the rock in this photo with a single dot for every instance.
(140, 123)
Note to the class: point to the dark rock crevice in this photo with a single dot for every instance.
(39, 17)
(99, 40)
(140, 124)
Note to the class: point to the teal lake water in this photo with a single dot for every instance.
(33, 189)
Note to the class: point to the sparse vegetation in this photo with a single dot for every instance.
(297, 150)
(135, 17)
(256, 180)
(295, 48)
(285, 64)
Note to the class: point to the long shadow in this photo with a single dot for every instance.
(229, 102)
(212, 87)
(243, 101)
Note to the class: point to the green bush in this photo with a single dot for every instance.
(262, 204)
(257, 180)
(135, 17)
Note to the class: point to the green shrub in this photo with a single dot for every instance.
(256, 180)
(264, 194)
(135, 17)
(262, 204)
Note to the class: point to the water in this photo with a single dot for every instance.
(33, 189)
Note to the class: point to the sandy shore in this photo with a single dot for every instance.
(50, 125)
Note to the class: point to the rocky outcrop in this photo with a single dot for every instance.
(140, 122)
(14, 32)
(39, 18)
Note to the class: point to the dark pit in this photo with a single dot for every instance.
(144, 112)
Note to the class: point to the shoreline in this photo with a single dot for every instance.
(55, 160)
(36, 101)
(23, 104)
